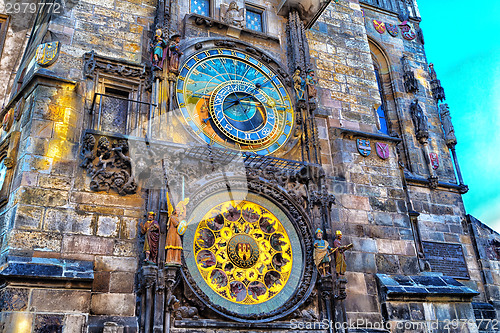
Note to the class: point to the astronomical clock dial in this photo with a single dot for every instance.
(244, 256)
(232, 100)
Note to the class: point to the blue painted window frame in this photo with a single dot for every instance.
(258, 12)
(206, 6)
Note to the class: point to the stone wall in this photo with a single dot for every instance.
(53, 217)
(372, 205)
(84, 244)
(15, 41)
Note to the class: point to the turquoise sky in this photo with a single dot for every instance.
(462, 39)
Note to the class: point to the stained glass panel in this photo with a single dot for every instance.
(254, 20)
(201, 7)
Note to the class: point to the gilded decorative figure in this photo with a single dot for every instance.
(322, 252)
(234, 15)
(159, 44)
(174, 54)
(449, 131)
(152, 230)
(340, 265)
(298, 84)
(173, 244)
(311, 84)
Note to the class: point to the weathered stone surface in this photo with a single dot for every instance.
(361, 303)
(387, 264)
(47, 300)
(11, 321)
(126, 248)
(129, 228)
(60, 183)
(68, 221)
(111, 264)
(73, 323)
(14, 299)
(28, 217)
(108, 226)
(48, 323)
(43, 197)
(121, 282)
(35, 240)
(101, 281)
(87, 244)
(113, 304)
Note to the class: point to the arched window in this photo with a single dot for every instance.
(386, 112)
(382, 118)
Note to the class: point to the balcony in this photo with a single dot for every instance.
(115, 114)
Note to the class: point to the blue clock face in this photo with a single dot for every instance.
(232, 100)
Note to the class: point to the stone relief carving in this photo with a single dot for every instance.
(108, 164)
(233, 15)
(93, 62)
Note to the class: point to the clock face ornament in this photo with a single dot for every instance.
(232, 100)
(245, 257)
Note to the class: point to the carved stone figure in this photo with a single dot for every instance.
(419, 120)
(299, 84)
(436, 88)
(322, 252)
(233, 15)
(174, 54)
(185, 311)
(449, 131)
(87, 152)
(410, 82)
(340, 265)
(152, 230)
(173, 244)
(112, 170)
(311, 85)
(159, 44)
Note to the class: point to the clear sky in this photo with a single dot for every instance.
(462, 39)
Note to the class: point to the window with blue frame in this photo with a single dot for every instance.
(200, 7)
(254, 19)
(381, 109)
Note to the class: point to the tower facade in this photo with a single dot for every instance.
(207, 165)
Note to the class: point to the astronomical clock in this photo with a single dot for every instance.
(232, 100)
(247, 259)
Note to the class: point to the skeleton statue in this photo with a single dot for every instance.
(233, 15)
(449, 131)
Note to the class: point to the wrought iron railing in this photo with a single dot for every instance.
(404, 8)
(251, 160)
(121, 115)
